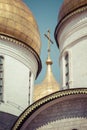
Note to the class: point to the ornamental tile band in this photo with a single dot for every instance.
(28, 112)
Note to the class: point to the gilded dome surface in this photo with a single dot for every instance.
(49, 84)
(17, 21)
(69, 6)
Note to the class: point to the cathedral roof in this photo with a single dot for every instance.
(69, 6)
(57, 107)
(6, 120)
(17, 21)
(69, 9)
(48, 85)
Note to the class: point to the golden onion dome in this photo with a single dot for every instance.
(17, 21)
(69, 6)
(49, 84)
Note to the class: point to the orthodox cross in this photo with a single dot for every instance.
(49, 40)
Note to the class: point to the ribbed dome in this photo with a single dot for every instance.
(49, 84)
(17, 21)
(69, 6)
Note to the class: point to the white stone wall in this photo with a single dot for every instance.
(79, 64)
(73, 39)
(18, 86)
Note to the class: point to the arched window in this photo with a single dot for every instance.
(66, 58)
(1, 77)
(29, 87)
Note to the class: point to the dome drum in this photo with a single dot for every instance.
(18, 24)
(68, 10)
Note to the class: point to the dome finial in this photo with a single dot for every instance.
(49, 61)
(49, 84)
(49, 41)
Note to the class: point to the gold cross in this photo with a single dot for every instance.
(49, 40)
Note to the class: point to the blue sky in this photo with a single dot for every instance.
(46, 15)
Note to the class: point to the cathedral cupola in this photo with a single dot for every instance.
(71, 38)
(20, 62)
(49, 85)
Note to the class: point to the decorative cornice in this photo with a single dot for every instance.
(20, 43)
(31, 109)
(65, 18)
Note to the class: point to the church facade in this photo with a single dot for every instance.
(66, 107)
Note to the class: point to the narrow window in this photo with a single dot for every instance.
(67, 70)
(1, 78)
(29, 87)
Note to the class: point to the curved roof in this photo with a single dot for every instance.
(49, 84)
(6, 120)
(69, 6)
(66, 104)
(17, 21)
(68, 9)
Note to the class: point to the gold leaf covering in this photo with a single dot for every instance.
(49, 84)
(17, 21)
